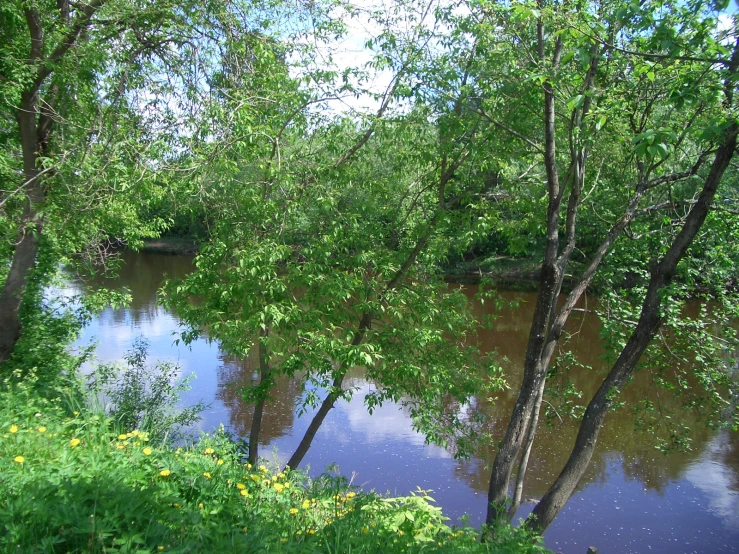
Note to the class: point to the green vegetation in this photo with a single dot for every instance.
(73, 481)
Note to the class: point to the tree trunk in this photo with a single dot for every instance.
(24, 256)
(649, 322)
(256, 422)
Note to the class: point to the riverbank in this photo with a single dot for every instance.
(72, 482)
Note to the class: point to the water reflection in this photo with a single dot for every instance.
(632, 499)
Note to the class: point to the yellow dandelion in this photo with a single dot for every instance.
(400, 532)
(76, 412)
(274, 478)
(306, 504)
(365, 530)
(165, 473)
(267, 482)
(240, 486)
(207, 475)
(201, 506)
(281, 475)
(311, 532)
(263, 469)
(119, 446)
(75, 442)
(122, 437)
(298, 532)
(160, 548)
(278, 487)
(247, 466)
(255, 478)
(351, 494)
(147, 451)
(244, 492)
(19, 459)
(220, 462)
(42, 429)
(13, 428)
(293, 511)
(287, 484)
(209, 451)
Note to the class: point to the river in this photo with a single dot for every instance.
(632, 499)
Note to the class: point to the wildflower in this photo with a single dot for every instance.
(278, 487)
(76, 412)
(207, 475)
(311, 532)
(240, 486)
(293, 511)
(247, 466)
(119, 446)
(220, 462)
(400, 532)
(274, 478)
(255, 478)
(244, 492)
(165, 473)
(75, 442)
(306, 504)
(13, 428)
(122, 437)
(266, 482)
(365, 530)
(281, 475)
(201, 506)
(287, 484)
(42, 429)
(263, 469)
(19, 459)
(209, 451)
(351, 494)
(160, 548)
(147, 451)
(298, 532)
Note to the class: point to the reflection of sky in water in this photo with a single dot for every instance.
(614, 512)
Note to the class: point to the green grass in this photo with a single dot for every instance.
(69, 482)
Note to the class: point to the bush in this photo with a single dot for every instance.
(137, 396)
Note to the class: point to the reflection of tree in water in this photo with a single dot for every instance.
(279, 412)
(142, 274)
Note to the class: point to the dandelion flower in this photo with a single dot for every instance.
(165, 473)
(293, 511)
(13, 428)
(207, 475)
(75, 442)
(19, 459)
(220, 462)
(261, 468)
(201, 506)
(76, 412)
(209, 451)
(255, 478)
(365, 530)
(42, 429)
(247, 466)
(306, 504)
(278, 487)
(240, 486)
(244, 492)
(160, 548)
(122, 437)
(147, 451)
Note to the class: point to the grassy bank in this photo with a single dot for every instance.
(71, 482)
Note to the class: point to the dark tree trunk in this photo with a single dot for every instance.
(256, 422)
(649, 322)
(24, 256)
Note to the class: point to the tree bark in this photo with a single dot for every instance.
(648, 325)
(256, 422)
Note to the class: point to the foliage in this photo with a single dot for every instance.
(137, 396)
(70, 482)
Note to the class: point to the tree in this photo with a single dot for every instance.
(574, 75)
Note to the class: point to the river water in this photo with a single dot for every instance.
(632, 499)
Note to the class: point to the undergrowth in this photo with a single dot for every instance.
(71, 482)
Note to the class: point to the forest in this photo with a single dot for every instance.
(338, 169)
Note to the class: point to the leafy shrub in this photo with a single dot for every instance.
(143, 397)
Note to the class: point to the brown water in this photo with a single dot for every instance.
(632, 499)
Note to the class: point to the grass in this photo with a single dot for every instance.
(71, 482)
